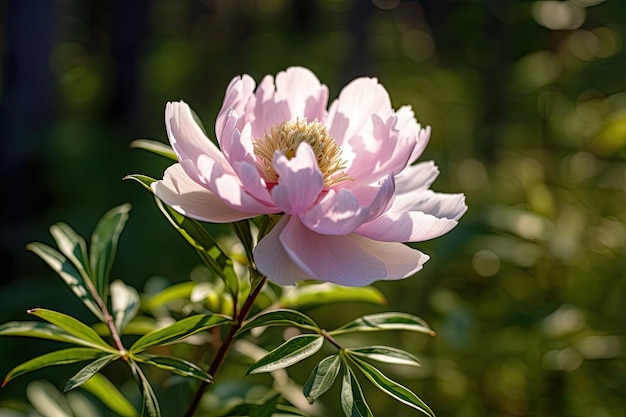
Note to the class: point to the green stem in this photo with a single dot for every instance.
(227, 343)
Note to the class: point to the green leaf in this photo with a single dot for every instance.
(74, 327)
(314, 295)
(322, 378)
(179, 330)
(59, 357)
(47, 400)
(88, 371)
(292, 351)
(150, 402)
(105, 391)
(175, 365)
(73, 246)
(352, 401)
(207, 248)
(104, 245)
(124, 304)
(266, 408)
(155, 147)
(281, 317)
(41, 331)
(68, 272)
(386, 354)
(390, 387)
(385, 321)
(180, 291)
(144, 180)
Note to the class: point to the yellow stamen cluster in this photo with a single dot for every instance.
(285, 137)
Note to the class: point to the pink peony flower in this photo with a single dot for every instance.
(342, 177)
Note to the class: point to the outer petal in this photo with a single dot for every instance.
(239, 98)
(272, 260)
(409, 128)
(192, 200)
(299, 180)
(338, 213)
(186, 137)
(349, 259)
(410, 220)
(416, 177)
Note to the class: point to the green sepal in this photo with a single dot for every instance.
(179, 330)
(282, 317)
(291, 352)
(155, 147)
(144, 180)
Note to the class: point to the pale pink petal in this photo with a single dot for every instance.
(238, 98)
(229, 188)
(416, 177)
(187, 139)
(299, 180)
(352, 113)
(409, 128)
(268, 111)
(273, 261)
(423, 136)
(350, 260)
(450, 206)
(301, 89)
(192, 200)
(414, 226)
(338, 213)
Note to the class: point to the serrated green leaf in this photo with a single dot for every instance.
(124, 304)
(282, 317)
(74, 327)
(88, 371)
(353, 403)
(40, 331)
(59, 357)
(175, 365)
(144, 180)
(155, 147)
(292, 351)
(322, 378)
(105, 391)
(390, 387)
(179, 330)
(104, 245)
(314, 295)
(386, 354)
(385, 321)
(68, 272)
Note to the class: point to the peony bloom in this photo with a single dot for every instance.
(342, 177)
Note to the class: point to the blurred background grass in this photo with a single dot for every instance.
(527, 101)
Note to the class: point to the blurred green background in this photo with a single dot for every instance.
(527, 101)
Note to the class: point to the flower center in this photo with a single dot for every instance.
(285, 137)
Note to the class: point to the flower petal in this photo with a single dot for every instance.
(272, 260)
(338, 213)
(192, 200)
(299, 180)
(416, 177)
(350, 260)
(301, 89)
(186, 137)
(239, 98)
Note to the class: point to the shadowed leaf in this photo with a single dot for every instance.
(281, 317)
(292, 351)
(88, 371)
(322, 378)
